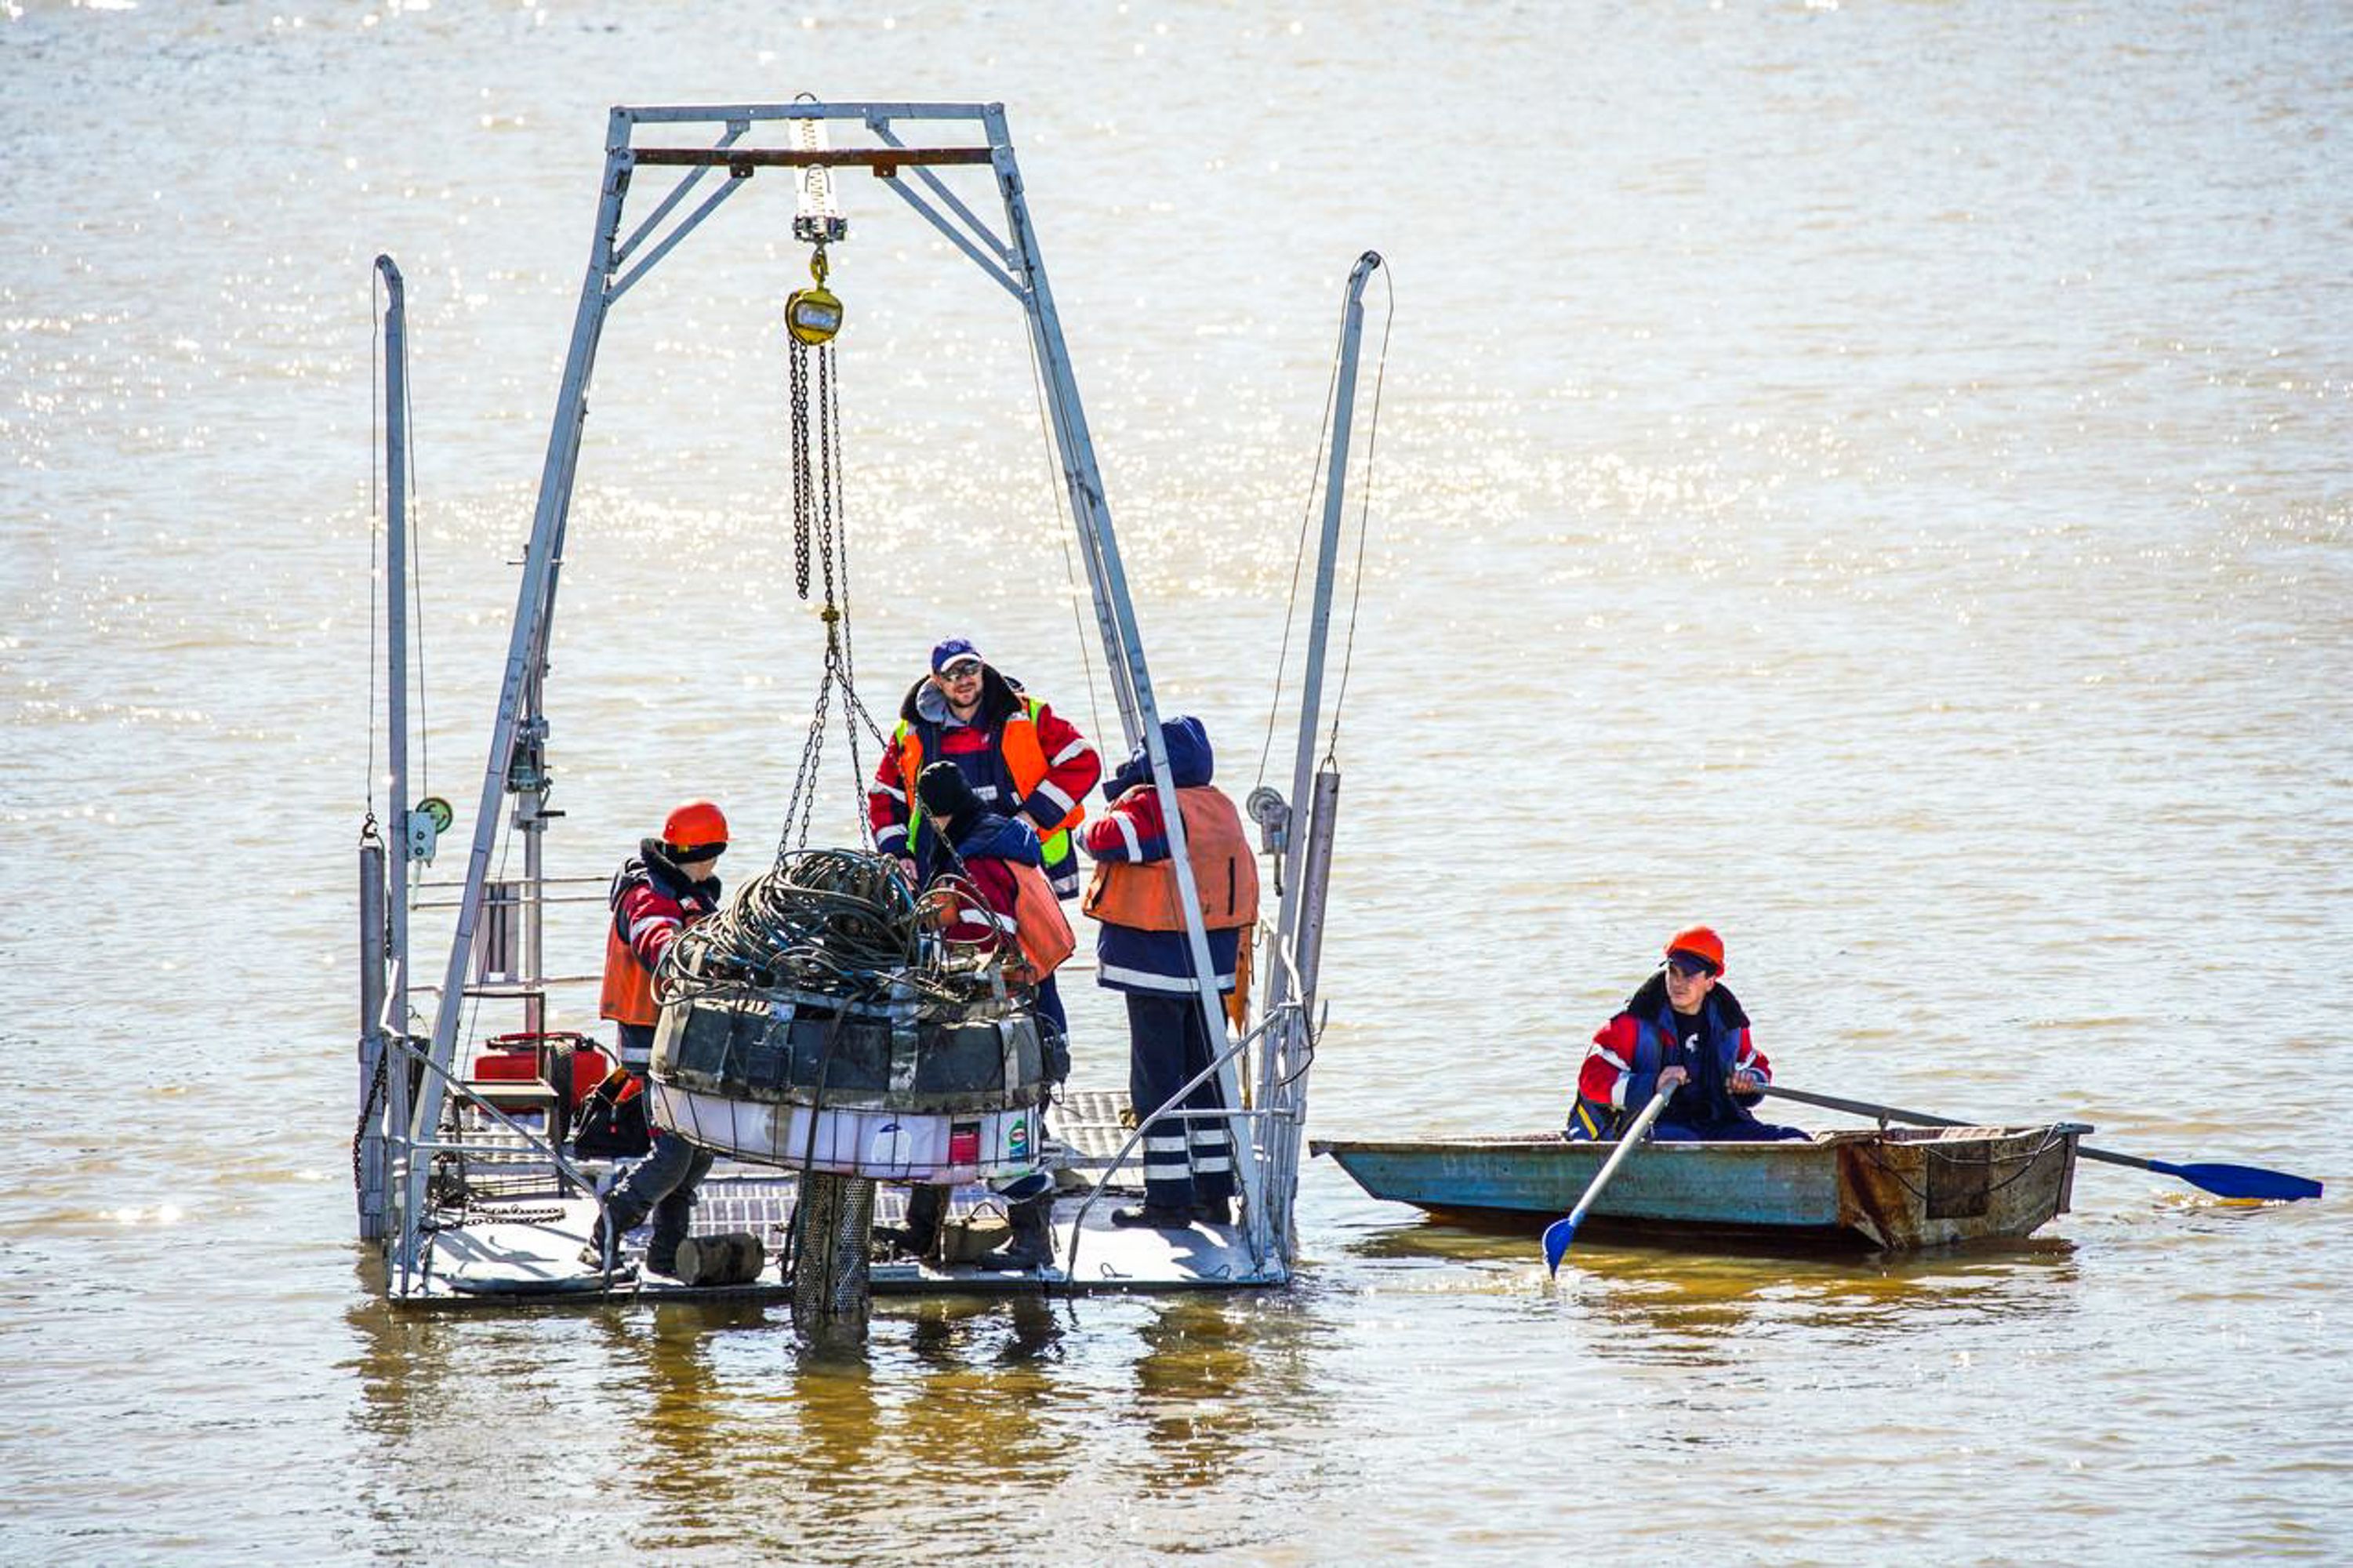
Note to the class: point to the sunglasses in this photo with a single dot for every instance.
(1689, 968)
(964, 669)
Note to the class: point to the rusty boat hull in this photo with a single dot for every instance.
(1888, 1190)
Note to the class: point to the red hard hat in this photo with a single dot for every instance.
(698, 827)
(1699, 942)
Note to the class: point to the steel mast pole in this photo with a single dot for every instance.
(395, 572)
(386, 914)
(1288, 925)
(533, 605)
(1123, 641)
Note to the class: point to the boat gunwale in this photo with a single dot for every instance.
(1832, 1138)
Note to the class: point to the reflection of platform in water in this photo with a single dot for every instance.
(523, 1244)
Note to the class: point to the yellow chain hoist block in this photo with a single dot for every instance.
(813, 315)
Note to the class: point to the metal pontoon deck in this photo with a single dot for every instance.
(524, 1237)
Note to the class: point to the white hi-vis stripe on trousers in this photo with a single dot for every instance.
(1212, 1151)
(1163, 1155)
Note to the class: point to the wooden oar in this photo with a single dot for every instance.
(1561, 1232)
(2224, 1180)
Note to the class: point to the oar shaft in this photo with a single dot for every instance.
(1894, 1113)
(1863, 1107)
(2248, 1182)
(1626, 1144)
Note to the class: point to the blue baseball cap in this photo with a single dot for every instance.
(944, 654)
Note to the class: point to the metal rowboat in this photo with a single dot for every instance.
(1889, 1189)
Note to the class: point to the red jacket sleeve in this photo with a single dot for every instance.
(1131, 831)
(1072, 768)
(1610, 1063)
(650, 920)
(886, 803)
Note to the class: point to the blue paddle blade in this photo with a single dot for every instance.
(2237, 1182)
(1557, 1235)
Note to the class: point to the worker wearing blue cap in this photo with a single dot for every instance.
(1021, 758)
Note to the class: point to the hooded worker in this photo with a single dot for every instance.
(1142, 950)
(996, 898)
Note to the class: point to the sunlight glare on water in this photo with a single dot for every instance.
(1868, 477)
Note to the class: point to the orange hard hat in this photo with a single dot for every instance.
(1699, 942)
(695, 831)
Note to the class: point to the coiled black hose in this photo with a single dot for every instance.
(837, 922)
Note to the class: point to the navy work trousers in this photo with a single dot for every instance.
(1185, 1161)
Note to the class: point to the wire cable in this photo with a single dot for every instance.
(1299, 552)
(376, 518)
(1067, 525)
(424, 785)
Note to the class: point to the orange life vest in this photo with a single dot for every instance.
(1039, 927)
(1145, 896)
(628, 994)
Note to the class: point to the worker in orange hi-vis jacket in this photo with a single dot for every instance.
(659, 892)
(1021, 758)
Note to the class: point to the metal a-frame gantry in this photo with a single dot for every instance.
(1266, 1134)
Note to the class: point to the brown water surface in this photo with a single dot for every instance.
(1869, 477)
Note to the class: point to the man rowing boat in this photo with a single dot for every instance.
(1681, 1030)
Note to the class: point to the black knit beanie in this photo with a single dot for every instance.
(945, 793)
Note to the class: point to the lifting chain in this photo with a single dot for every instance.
(818, 514)
(800, 467)
(368, 1110)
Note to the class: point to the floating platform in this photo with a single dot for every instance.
(512, 1243)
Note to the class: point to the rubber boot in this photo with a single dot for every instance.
(1032, 1245)
(1153, 1217)
(920, 1237)
(673, 1217)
